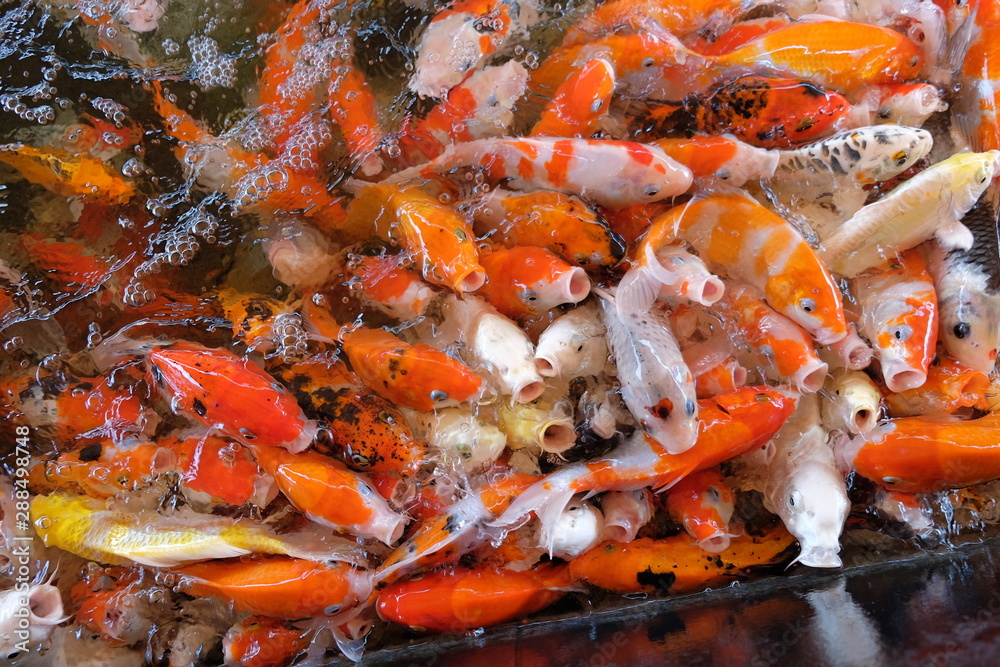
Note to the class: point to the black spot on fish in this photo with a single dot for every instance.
(199, 408)
(452, 523)
(662, 581)
(852, 155)
(836, 167)
(881, 138)
(91, 452)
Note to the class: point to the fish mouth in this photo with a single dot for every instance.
(819, 557)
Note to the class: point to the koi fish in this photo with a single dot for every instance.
(835, 54)
(42, 607)
(724, 158)
(525, 281)
(737, 35)
(416, 376)
(573, 345)
(459, 435)
(264, 324)
(803, 486)
(579, 103)
(852, 403)
(352, 106)
(757, 247)
(545, 424)
(657, 386)
(676, 564)
(215, 471)
(907, 104)
(616, 16)
(67, 174)
(905, 508)
(463, 599)
(362, 429)
(103, 471)
(82, 526)
(461, 37)
(380, 281)
(728, 425)
(719, 379)
(438, 237)
(923, 455)
(68, 262)
(967, 289)
(931, 204)
(705, 505)
(949, 387)
(331, 495)
(899, 315)
(259, 641)
(278, 586)
(625, 513)
(217, 389)
(671, 272)
(116, 607)
(611, 173)
(550, 220)
(975, 106)
(762, 111)
(481, 106)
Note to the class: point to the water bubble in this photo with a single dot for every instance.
(43, 523)
(132, 167)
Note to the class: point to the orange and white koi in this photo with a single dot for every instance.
(676, 564)
(579, 103)
(462, 599)
(656, 384)
(479, 107)
(852, 402)
(67, 174)
(719, 379)
(978, 90)
(802, 485)
(757, 247)
(724, 158)
(704, 504)
(438, 237)
(610, 173)
(417, 376)
(551, 220)
(625, 513)
(278, 587)
(729, 424)
(949, 387)
(331, 495)
(574, 345)
(923, 455)
(907, 104)
(362, 429)
(215, 471)
(461, 37)
(626, 16)
(905, 508)
(259, 641)
(899, 315)
(668, 272)
(396, 290)
(836, 54)
(526, 281)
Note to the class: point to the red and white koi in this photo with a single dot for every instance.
(704, 504)
(525, 281)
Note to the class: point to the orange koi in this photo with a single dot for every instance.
(102, 471)
(948, 387)
(112, 604)
(479, 107)
(757, 247)
(677, 564)
(381, 281)
(923, 455)
(550, 220)
(438, 237)
(750, 320)
(525, 281)
(628, 16)
(978, 97)
(67, 262)
(460, 38)
(464, 599)
(417, 376)
(762, 111)
(738, 35)
(220, 471)
(217, 389)
(899, 316)
(724, 158)
(611, 173)
(728, 425)
(631, 222)
(704, 504)
(67, 174)
(835, 54)
(258, 641)
(363, 429)
(354, 108)
(259, 321)
(330, 494)
(579, 103)
(279, 587)
(99, 138)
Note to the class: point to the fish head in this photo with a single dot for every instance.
(813, 508)
(969, 327)
(806, 294)
(970, 175)
(886, 150)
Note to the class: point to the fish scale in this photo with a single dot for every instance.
(985, 252)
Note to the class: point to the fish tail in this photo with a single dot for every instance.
(637, 290)
(548, 500)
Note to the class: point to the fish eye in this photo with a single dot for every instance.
(648, 62)
(903, 333)
(983, 176)
(884, 113)
(900, 157)
(359, 460)
(914, 61)
(438, 395)
(651, 191)
(962, 330)
(807, 305)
